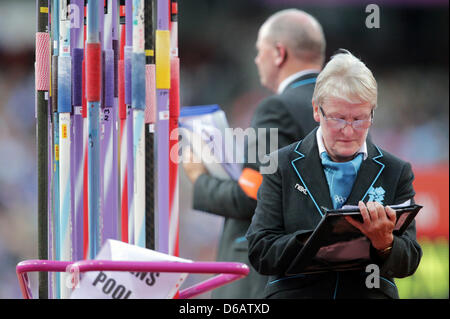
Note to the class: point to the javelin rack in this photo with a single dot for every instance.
(227, 271)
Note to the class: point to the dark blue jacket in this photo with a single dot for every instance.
(284, 215)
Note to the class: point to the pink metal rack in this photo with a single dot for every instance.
(227, 271)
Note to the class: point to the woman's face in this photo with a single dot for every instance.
(342, 143)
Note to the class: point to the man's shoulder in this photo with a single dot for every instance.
(303, 92)
(293, 100)
(272, 109)
(297, 101)
(271, 102)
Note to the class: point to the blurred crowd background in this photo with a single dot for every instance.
(408, 55)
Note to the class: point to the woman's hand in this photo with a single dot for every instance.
(378, 224)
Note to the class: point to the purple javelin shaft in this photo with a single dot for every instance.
(128, 99)
(77, 149)
(129, 22)
(77, 22)
(108, 152)
(163, 15)
(162, 126)
(115, 111)
(102, 133)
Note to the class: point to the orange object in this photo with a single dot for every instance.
(250, 180)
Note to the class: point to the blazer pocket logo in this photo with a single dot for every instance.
(300, 188)
(376, 194)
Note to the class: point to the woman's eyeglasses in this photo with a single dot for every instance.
(339, 124)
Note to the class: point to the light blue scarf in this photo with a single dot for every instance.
(340, 177)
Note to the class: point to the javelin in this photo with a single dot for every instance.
(123, 140)
(138, 104)
(128, 52)
(93, 90)
(115, 110)
(42, 84)
(174, 114)
(162, 45)
(55, 179)
(84, 114)
(150, 110)
(76, 43)
(64, 110)
(108, 156)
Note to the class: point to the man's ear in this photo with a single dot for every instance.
(281, 54)
(316, 112)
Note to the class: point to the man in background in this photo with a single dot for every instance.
(291, 53)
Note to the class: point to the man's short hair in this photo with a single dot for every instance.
(300, 32)
(348, 78)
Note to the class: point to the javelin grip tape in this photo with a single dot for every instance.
(116, 49)
(128, 52)
(121, 80)
(109, 78)
(138, 81)
(150, 94)
(162, 59)
(174, 104)
(54, 83)
(93, 72)
(64, 85)
(77, 76)
(42, 61)
(83, 89)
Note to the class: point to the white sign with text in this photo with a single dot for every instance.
(129, 285)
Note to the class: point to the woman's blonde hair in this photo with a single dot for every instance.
(346, 77)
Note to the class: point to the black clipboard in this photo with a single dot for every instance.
(336, 245)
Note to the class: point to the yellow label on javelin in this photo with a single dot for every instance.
(43, 9)
(64, 130)
(56, 152)
(162, 59)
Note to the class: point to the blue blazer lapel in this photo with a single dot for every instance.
(308, 168)
(368, 174)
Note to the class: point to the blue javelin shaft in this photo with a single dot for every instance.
(94, 138)
(56, 222)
